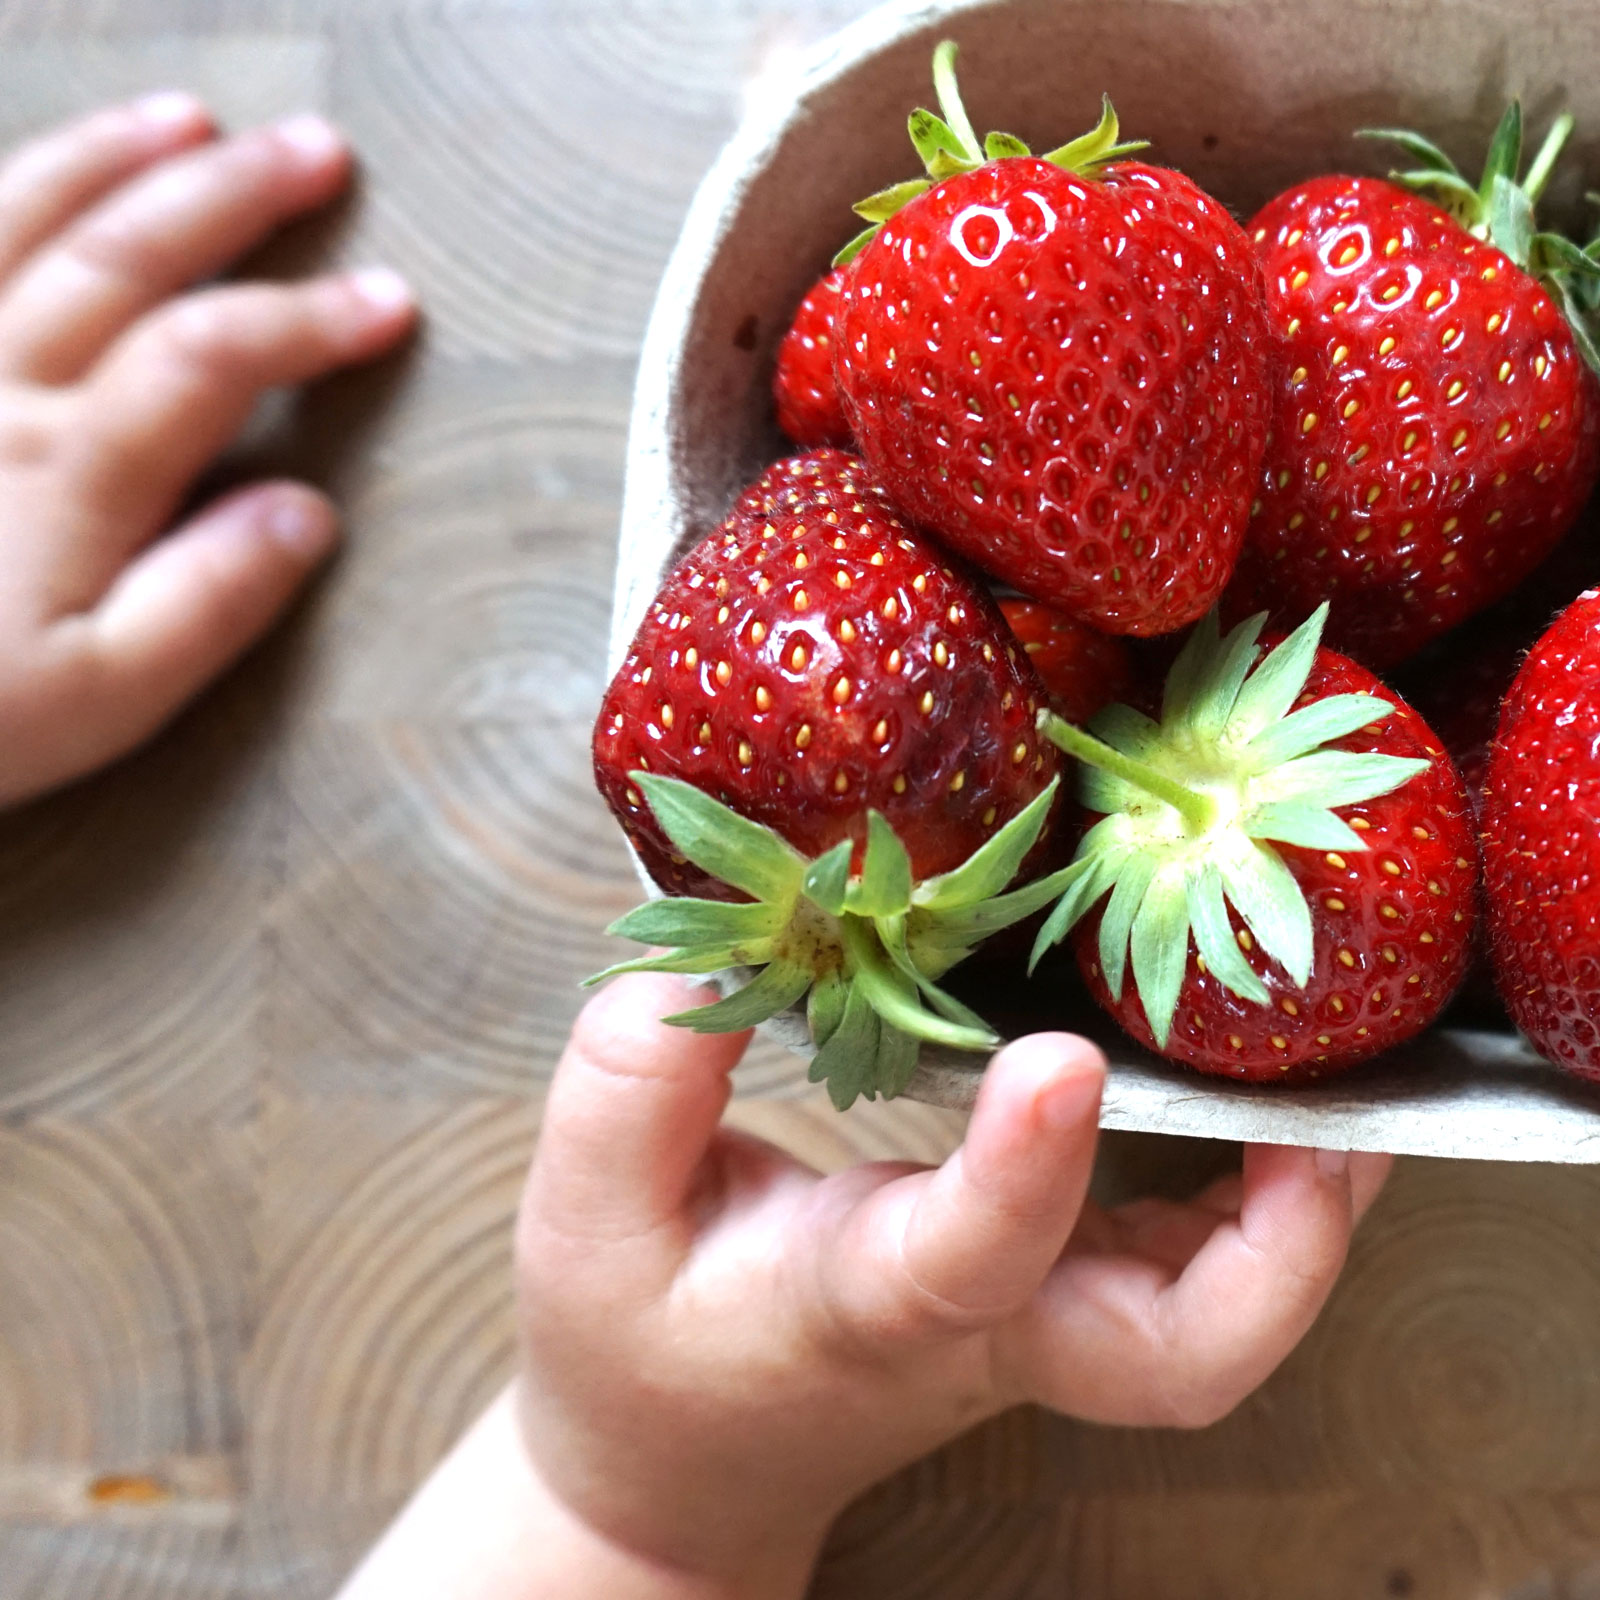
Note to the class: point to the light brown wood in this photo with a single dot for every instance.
(278, 995)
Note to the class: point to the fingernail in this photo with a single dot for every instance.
(1333, 1163)
(382, 288)
(1068, 1101)
(168, 107)
(312, 136)
(302, 525)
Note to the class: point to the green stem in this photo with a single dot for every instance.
(955, 113)
(1549, 152)
(1198, 810)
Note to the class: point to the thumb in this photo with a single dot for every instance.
(966, 1245)
(631, 1111)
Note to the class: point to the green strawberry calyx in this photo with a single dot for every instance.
(863, 950)
(1500, 209)
(1192, 808)
(948, 145)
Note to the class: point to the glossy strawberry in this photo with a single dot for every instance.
(1082, 670)
(1289, 858)
(1541, 843)
(1437, 427)
(1059, 367)
(803, 384)
(1458, 683)
(824, 732)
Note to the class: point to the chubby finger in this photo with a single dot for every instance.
(179, 387)
(632, 1109)
(1122, 1339)
(47, 182)
(182, 221)
(174, 619)
(961, 1247)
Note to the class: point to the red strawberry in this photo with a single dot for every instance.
(1081, 670)
(1459, 683)
(1290, 860)
(1436, 427)
(817, 692)
(1541, 843)
(1059, 366)
(803, 385)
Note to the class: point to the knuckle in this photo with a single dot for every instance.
(203, 331)
(1198, 1401)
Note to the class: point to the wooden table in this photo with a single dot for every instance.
(277, 996)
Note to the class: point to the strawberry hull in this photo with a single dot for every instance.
(1246, 99)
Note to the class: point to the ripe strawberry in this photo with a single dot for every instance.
(1082, 671)
(1289, 859)
(1436, 427)
(817, 692)
(1541, 843)
(1459, 682)
(803, 385)
(1059, 367)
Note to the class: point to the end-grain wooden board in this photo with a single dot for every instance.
(278, 996)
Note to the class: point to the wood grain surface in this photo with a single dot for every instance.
(278, 995)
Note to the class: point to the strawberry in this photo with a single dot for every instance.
(1459, 682)
(1541, 843)
(803, 384)
(1082, 671)
(1289, 860)
(1437, 426)
(824, 733)
(1058, 366)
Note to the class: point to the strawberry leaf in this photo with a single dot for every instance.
(1159, 945)
(1089, 152)
(728, 846)
(1194, 806)
(1504, 160)
(885, 203)
(1276, 684)
(775, 988)
(896, 1061)
(1511, 219)
(1309, 826)
(1213, 935)
(827, 879)
(894, 998)
(686, 921)
(700, 959)
(850, 251)
(994, 864)
(1116, 922)
(1318, 724)
(1264, 893)
(1418, 148)
(847, 1062)
(1337, 777)
(933, 138)
(884, 886)
(825, 1005)
(1004, 146)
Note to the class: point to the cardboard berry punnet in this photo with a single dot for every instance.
(1244, 96)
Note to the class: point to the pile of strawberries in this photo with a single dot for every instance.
(1070, 617)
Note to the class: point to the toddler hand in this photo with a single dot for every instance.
(119, 385)
(721, 1349)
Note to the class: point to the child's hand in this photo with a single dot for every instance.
(119, 384)
(722, 1349)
